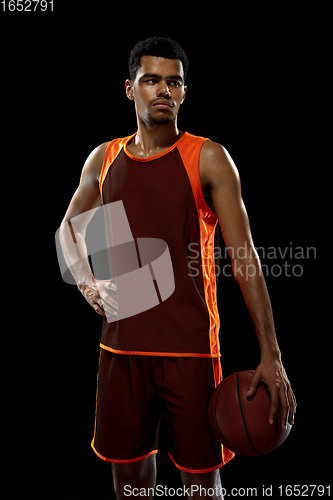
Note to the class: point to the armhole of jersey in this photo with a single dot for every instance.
(112, 151)
(190, 151)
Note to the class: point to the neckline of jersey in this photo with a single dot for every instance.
(150, 158)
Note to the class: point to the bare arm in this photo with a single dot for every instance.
(82, 207)
(218, 172)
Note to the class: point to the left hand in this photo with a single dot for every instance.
(272, 373)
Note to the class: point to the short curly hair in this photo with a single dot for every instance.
(158, 47)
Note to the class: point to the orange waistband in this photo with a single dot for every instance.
(152, 353)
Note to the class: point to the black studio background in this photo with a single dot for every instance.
(258, 84)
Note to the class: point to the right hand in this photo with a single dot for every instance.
(102, 296)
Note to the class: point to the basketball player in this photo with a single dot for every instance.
(176, 187)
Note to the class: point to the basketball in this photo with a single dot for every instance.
(241, 423)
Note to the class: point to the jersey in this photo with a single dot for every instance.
(163, 198)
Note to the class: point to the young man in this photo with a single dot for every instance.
(174, 187)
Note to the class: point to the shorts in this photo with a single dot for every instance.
(134, 391)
